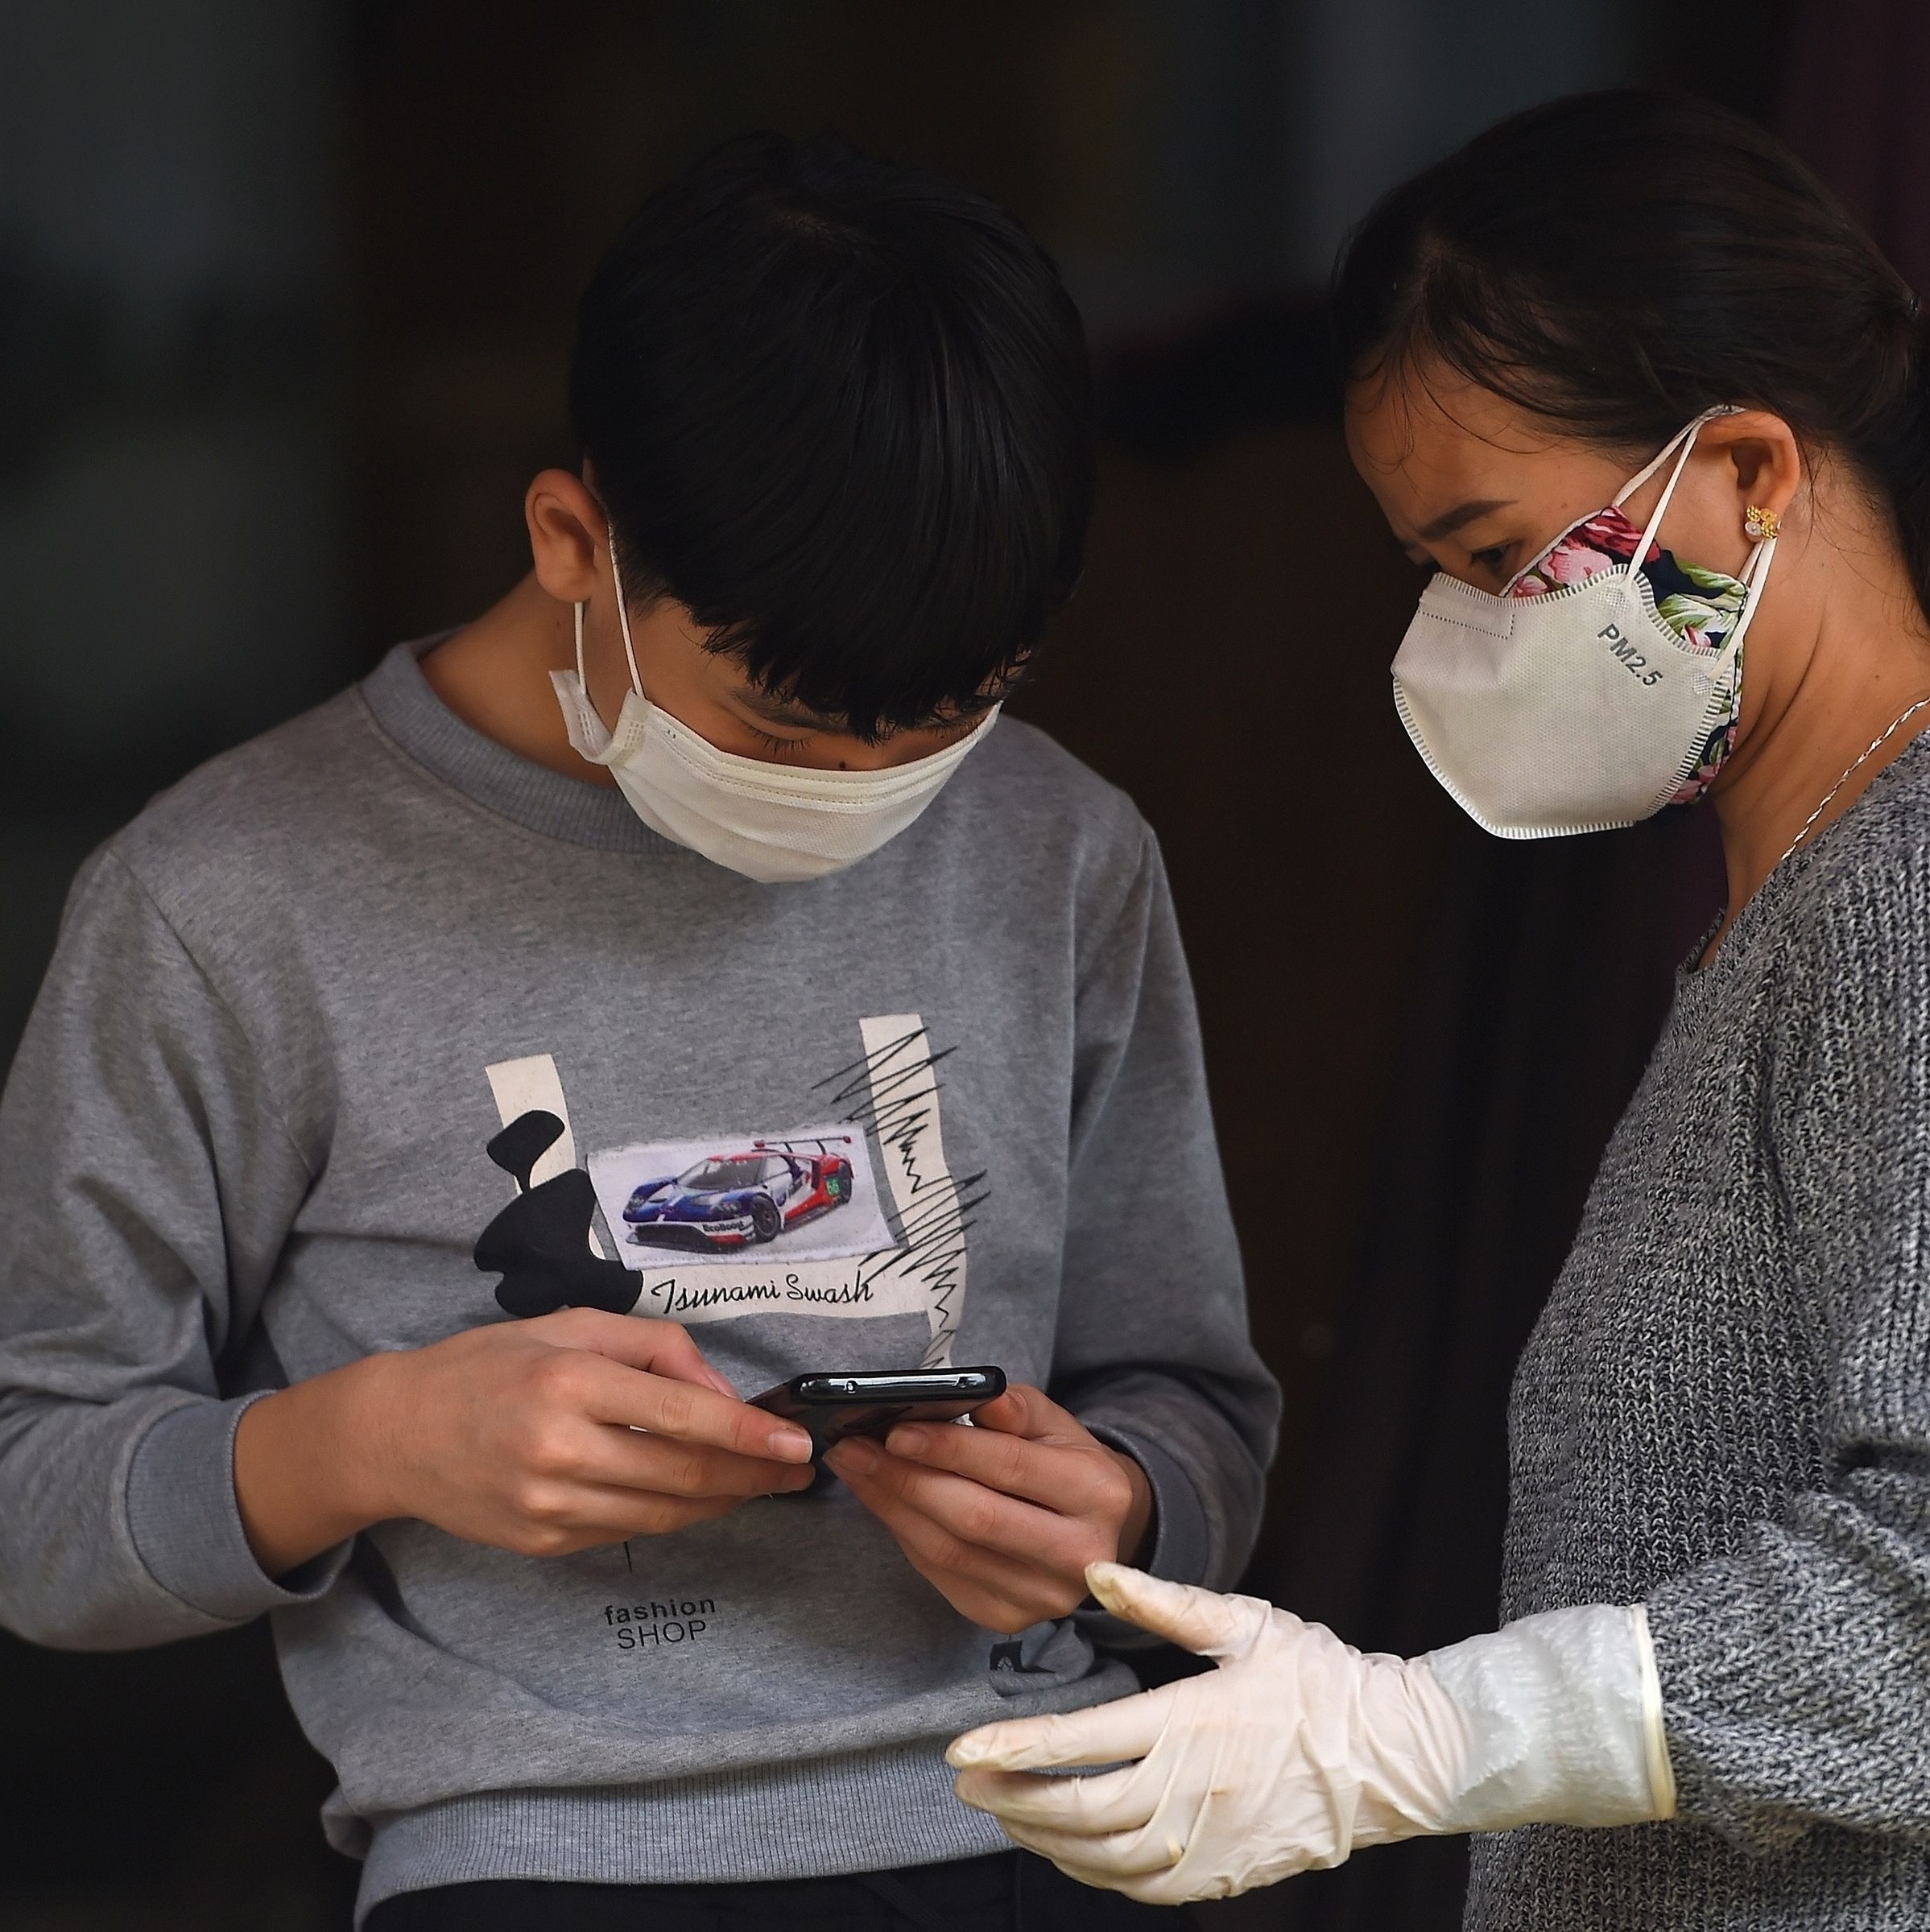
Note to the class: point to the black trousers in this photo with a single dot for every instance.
(1010, 1892)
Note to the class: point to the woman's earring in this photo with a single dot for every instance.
(1760, 526)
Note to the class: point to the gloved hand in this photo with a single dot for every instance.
(1298, 1748)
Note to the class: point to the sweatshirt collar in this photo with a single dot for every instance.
(406, 709)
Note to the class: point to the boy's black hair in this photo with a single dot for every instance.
(843, 410)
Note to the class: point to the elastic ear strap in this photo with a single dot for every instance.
(1687, 437)
(1755, 574)
(616, 578)
(1655, 462)
(1655, 522)
(582, 683)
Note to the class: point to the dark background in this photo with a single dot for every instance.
(285, 293)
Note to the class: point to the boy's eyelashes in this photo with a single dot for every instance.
(771, 740)
(807, 730)
(777, 720)
(771, 721)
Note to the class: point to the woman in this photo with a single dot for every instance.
(1606, 366)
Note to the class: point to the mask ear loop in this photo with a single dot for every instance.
(1755, 574)
(1755, 570)
(1629, 488)
(629, 651)
(1687, 440)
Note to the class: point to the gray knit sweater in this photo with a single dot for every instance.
(1724, 1413)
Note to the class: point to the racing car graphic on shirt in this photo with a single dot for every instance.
(732, 1200)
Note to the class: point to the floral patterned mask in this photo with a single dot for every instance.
(1700, 606)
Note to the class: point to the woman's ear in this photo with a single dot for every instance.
(568, 535)
(1766, 458)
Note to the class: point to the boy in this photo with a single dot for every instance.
(440, 1112)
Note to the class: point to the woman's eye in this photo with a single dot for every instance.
(1493, 558)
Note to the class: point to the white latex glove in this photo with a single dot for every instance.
(1298, 1748)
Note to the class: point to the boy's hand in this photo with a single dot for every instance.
(1002, 1518)
(543, 1437)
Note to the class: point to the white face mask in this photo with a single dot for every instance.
(772, 823)
(1581, 708)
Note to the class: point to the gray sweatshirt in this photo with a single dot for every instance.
(946, 1107)
(1725, 1411)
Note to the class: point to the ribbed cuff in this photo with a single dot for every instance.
(1181, 1548)
(187, 1526)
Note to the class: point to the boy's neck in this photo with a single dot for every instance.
(493, 673)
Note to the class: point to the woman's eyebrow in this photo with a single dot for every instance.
(1462, 514)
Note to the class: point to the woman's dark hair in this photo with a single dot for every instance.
(841, 409)
(1622, 262)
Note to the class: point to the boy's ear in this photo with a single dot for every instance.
(568, 535)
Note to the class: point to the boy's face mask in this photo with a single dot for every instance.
(771, 823)
(1605, 682)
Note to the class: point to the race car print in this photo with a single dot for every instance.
(734, 1200)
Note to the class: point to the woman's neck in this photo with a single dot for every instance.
(1846, 652)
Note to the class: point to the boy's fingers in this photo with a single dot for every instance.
(640, 1460)
(1015, 1573)
(908, 1497)
(691, 1412)
(867, 1472)
(664, 1348)
(1026, 1411)
(1060, 1478)
(611, 1513)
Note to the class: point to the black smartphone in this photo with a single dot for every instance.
(855, 1401)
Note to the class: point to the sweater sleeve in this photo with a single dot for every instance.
(1151, 1351)
(147, 1187)
(1796, 1668)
